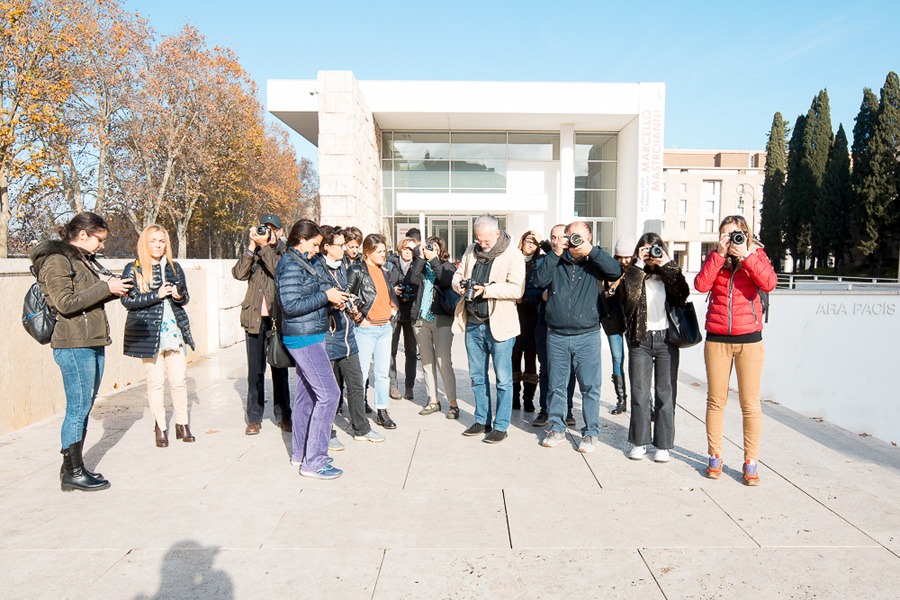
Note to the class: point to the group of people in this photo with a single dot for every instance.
(339, 303)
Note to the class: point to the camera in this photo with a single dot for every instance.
(406, 293)
(262, 230)
(469, 286)
(738, 238)
(429, 246)
(575, 240)
(656, 251)
(546, 246)
(351, 307)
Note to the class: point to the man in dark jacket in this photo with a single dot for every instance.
(572, 274)
(259, 313)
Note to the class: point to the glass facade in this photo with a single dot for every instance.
(595, 175)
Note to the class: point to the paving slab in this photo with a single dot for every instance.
(795, 573)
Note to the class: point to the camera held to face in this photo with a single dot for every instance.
(656, 251)
(546, 246)
(575, 240)
(468, 287)
(263, 230)
(738, 238)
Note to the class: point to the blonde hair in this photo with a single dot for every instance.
(141, 277)
(406, 241)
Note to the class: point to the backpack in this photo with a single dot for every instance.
(764, 300)
(38, 317)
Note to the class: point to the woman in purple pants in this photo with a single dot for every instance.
(304, 293)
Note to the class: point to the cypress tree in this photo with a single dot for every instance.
(863, 131)
(771, 232)
(817, 141)
(833, 221)
(881, 184)
(791, 224)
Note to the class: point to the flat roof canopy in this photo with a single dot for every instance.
(470, 105)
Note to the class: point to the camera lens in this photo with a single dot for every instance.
(656, 251)
(575, 239)
(430, 246)
(262, 230)
(738, 238)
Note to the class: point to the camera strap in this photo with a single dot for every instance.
(303, 263)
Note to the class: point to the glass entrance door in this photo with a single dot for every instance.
(456, 231)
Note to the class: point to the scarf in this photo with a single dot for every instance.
(485, 257)
(428, 294)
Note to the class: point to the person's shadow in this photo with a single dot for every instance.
(187, 571)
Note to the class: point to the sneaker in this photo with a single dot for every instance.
(661, 455)
(395, 393)
(570, 420)
(637, 452)
(475, 429)
(326, 472)
(540, 420)
(335, 445)
(494, 437)
(408, 394)
(750, 476)
(714, 469)
(553, 439)
(372, 436)
(252, 428)
(588, 444)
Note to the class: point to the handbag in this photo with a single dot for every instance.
(684, 330)
(612, 318)
(276, 354)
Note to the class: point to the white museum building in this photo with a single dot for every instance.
(437, 154)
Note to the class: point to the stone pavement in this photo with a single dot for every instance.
(433, 514)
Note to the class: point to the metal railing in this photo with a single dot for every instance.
(801, 281)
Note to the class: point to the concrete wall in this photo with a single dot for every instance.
(829, 355)
(349, 156)
(30, 381)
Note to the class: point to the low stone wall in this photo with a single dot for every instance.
(30, 381)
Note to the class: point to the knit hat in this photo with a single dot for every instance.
(624, 246)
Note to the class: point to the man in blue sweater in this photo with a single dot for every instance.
(572, 274)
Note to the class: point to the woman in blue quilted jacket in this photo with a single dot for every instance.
(304, 292)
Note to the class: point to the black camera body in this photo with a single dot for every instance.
(575, 240)
(468, 287)
(738, 238)
(351, 307)
(406, 293)
(429, 246)
(656, 251)
(262, 230)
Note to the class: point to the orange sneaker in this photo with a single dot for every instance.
(750, 475)
(714, 468)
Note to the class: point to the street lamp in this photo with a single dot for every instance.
(741, 189)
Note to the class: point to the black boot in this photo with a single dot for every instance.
(62, 467)
(75, 477)
(517, 390)
(621, 398)
(528, 390)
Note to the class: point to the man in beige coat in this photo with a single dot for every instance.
(492, 270)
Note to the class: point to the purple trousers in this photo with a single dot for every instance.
(315, 405)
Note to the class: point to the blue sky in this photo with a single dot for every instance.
(727, 66)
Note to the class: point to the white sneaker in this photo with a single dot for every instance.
(553, 439)
(637, 452)
(373, 436)
(661, 455)
(588, 444)
(335, 445)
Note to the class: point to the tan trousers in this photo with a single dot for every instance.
(748, 361)
(435, 339)
(173, 362)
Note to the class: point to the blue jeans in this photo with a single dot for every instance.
(82, 370)
(374, 342)
(617, 349)
(480, 348)
(315, 404)
(540, 340)
(580, 353)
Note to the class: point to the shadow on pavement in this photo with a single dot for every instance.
(187, 571)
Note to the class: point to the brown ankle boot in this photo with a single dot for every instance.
(162, 437)
(183, 433)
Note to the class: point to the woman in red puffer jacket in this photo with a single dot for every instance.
(734, 275)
